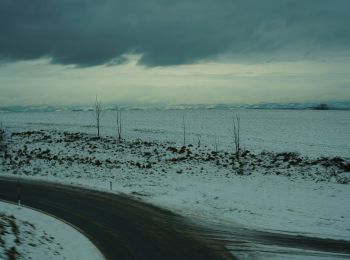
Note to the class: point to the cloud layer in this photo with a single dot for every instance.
(167, 32)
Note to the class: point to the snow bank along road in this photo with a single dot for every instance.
(124, 228)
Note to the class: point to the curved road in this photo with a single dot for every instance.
(122, 228)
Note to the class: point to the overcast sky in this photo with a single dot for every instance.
(57, 52)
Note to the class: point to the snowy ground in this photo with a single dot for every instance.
(299, 183)
(28, 234)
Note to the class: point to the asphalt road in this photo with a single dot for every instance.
(122, 228)
(125, 228)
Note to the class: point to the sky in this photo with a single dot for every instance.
(65, 52)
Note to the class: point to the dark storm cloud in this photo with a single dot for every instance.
(169, 32)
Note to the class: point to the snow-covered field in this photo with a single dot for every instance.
(310, 132)
(28, 234)
(294, 178)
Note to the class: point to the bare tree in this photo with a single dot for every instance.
(119, 124)
(184, 129)
(199, 139)
(236, 121)
(216, 143)
(199, 135)
(98, 111)
(3, 141)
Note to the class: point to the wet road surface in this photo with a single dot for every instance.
(121, 227)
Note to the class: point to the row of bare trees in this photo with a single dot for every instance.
(236, 128)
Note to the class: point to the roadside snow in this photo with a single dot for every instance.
(28, 234)
(263, 202)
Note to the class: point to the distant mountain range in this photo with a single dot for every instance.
(344, 105)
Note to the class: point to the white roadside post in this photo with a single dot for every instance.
(18, 193)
